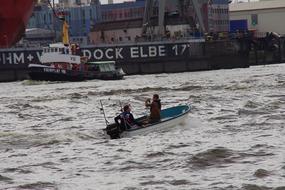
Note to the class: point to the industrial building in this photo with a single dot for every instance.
(127, 22)
(122, 11)
(81, 19)
(72, 3)
(261, 17)
(128, 19)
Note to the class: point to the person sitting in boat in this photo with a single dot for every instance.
(126, 119)
(155, 108)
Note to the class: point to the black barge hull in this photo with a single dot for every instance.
(141, 58)
(54, 75)
(40, 73)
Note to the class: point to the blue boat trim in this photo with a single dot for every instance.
(166, 115)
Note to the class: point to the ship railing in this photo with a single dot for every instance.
(167, 40)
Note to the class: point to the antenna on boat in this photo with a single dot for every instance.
(102, 109)
(121, 105)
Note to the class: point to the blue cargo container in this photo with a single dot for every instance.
(240, 25)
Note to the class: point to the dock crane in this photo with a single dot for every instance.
(150, 5)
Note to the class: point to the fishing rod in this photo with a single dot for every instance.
(121, 105)
(102, 109)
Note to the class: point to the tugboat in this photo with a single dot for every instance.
(62, 62)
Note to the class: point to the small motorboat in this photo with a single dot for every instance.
(170, 117)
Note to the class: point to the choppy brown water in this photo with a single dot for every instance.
(51, 138)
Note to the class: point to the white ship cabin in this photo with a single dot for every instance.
(105, 66)
(59, 53)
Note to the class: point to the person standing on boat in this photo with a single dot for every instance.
(155, 108)
(126, 119)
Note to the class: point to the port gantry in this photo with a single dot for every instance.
(150, 5)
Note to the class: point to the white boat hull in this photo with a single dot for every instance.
(165, 124)
(154, 128)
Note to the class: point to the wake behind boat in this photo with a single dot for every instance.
(170, 117)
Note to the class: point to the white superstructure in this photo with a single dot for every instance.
(59, 53)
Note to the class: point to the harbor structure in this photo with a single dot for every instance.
(261, 17)
(82, 16)
(158, 47)
(129, 21)
(122, 11)
(81, 19)
(73, 3)
(85, 17)
(218, 15)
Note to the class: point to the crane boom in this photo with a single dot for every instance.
(199, 15)
(147, 15)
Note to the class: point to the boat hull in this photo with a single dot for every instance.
(38, 72)
(166, 123)
(154, 128)
(47, 73)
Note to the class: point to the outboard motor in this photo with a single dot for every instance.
(114, 131)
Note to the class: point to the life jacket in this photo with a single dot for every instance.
(128, 118)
